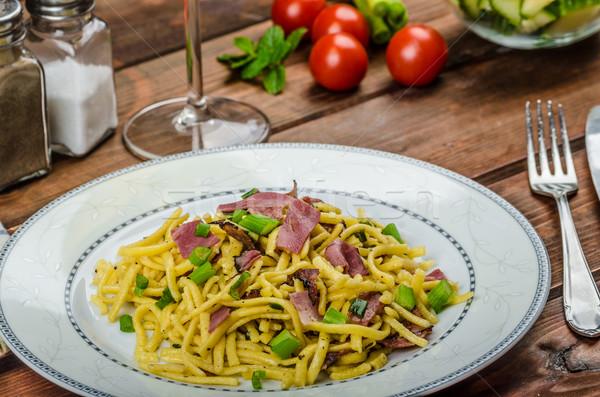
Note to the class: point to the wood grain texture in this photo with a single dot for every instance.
(470, 120)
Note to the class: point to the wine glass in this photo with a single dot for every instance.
(197, 121)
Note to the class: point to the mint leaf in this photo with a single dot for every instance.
(244, 44)
(274, 81)
(293, 40)
(242, 62)
(254, 68)
(270, 45)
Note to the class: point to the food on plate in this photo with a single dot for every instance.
(272, 287)
(341, 18)
(338, 61)
(294, 14)
(532, 16)
(416, 55)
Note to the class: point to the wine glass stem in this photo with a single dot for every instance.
(193, 38)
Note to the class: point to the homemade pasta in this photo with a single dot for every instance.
(242, 304)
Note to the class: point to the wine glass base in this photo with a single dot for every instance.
(155, 132)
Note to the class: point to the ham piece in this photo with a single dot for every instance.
(300, 220)
(397, 342)
(217, 317)
(309, 280)
(270, 204)
(340, 253)
(437, 274)
(374, 307)
(244, 261)
(186, 240)
(306, 310)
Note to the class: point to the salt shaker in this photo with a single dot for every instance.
(24, 146)
(74, 47)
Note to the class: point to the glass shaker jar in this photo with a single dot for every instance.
(24, 147)
(75, 50)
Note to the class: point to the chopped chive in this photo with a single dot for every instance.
(141, 283)
(405, 297)
(199, 255)
(333, 316)
(165, 299)
(391, 230)
(176, 346)
(126, 323)
(238, 215)
(202, 229)
(202, 273)
(235, 286)
(259, 224)
(256, 375)
(362, 236)
(358, 306)
(250, 193)
(276, 306)
(284, 344)
(440, 295)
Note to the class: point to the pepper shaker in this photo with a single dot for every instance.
(74, 47)
(24, 146)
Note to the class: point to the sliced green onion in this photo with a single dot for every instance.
(235, 286)
(358, 306)
(391, 230)
(176, 346)
(238, 215)
(256, 375)
(284, 344)
(440, 295)
(165, 299)
(126, 323)
(199, 255)
(333, 316)
(276, 306)
(405, 297)
(362, 236)
(259, 224)
(141, 283)
(202, 229)
(250, 193)
(202, 273)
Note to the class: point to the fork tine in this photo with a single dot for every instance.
(544, 167)
(530, 151)
(554, 144)
(565, 142)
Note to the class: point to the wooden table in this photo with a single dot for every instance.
(470, 120)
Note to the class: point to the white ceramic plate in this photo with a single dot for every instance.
(473, 235)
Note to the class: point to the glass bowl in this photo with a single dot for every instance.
(530, 24)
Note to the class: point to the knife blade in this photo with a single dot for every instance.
(592, 145)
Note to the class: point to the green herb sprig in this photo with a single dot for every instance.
(264, 58)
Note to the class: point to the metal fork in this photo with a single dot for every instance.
(581, 299)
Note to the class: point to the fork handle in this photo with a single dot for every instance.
(581, 299)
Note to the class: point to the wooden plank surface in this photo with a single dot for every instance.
(471, 120)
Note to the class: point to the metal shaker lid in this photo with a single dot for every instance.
(12, 28)
(59, 9)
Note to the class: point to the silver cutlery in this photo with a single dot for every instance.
(581, 299)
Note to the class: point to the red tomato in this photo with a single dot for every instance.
(293, 14)
(338, 61)
(341, 18)
(416, 54)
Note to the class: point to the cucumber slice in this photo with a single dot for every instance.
(509, 9)
(573, 20)
(536, 22)
(470, 7)
(531, 7)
